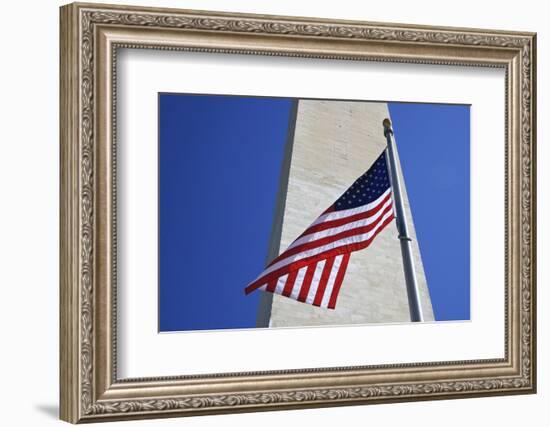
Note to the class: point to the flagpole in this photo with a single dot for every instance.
(404, 238)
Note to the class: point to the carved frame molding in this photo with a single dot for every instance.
(90, 37)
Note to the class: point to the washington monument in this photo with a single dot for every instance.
(330, 144)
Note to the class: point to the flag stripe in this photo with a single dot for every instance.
(354, 217)
(287, 265)
(352, 225)
(290, 283)
(349, 212)
(332, 242)
(323, 282)
(338, 281)
(315, 281)
(342, 238)
(281, 284)
(298, 283)
(271, 285)
(331, 280)
(307, 282)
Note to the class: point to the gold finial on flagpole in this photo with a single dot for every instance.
(387, 126)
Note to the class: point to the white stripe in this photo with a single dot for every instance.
(298, 283)
(348, 212)
(320, 249)
(281, 284)
(315, 281)
(331, 280)
(332, 231)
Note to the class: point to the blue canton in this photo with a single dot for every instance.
(369, 187)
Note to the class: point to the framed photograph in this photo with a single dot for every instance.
(266, 212)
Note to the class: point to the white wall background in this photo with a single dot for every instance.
(29, 170)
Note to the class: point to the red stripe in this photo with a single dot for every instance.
(272, 285)
(290, 283)
(338, 281)
(342, 221)
(329, 239)
(329, 210)
(341, 250)
(323, 282)
(306, 284)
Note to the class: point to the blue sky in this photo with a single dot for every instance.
(219, 168)
(220, 159)
(434, 147)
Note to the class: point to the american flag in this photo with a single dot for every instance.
(312, 268)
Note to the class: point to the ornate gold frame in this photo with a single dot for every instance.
(90, 35)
